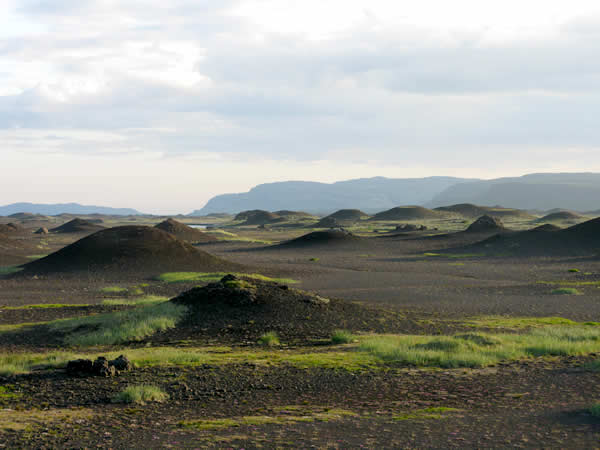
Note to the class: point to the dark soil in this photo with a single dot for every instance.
(333, 237)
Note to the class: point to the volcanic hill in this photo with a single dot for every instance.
(184, 232)
(242, 309)
(126, 250)
(10, 228)
(407, 213)
(348, 215)
(326, 238)
(77, 225)
(486, 224)
(560, 216)
(258, 217)
(579, 240)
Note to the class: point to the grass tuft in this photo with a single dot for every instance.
(342, 337)
(595, 410)
(141, 394)
(147, 300)
(269, 339)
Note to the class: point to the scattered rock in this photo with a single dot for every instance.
(100, 367)
(42, 230)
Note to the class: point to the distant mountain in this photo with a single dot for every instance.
(368, 194)
(61, 208)
(539, 191)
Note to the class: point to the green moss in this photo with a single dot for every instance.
(595, 410)
(113, 290)
(9, 270)
(517, 322)
(7, 392)
(573, 270)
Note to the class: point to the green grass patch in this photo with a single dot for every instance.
(9, 270)
(47, 306)
(426, 414)
(314, 259)
(36, 256)
(454, 255)
(342, 337)
(566, 291)
(7, 328)
(210, 277)
(7, 392)
(289, 415)
(147, 300)
(479, 349)
(573, 270)
(595, 410)
(270, 339)
(141, 394)
(517, 322)
(570, 283)
(119, 327)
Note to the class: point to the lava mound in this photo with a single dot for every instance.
(184, 232)
(242, 309)
(464, 209)
(547, 227)
(323, 238)
(77, 226)
(486, 224)
(348, 215)
(128, 250)
(326, 222)
(10, 228)
(560, 215)
(407, 213)
(258, 217)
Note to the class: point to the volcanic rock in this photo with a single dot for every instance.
(407, 213)
(42, 230)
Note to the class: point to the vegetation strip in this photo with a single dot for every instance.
(209, 277)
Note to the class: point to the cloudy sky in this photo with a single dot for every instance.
(159, 105)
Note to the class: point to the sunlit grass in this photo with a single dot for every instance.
(210, 277)
(9, 270)
(147, 300)
(119, 327)
(141, 394)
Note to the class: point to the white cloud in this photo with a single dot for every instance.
(273, 89)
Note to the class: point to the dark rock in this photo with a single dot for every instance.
(79, 366)
(121, 364)
(102, 368)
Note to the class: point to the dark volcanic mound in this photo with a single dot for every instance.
(326, 222)
(287, 213)
(464, 209)
(333, 237)
(243, 309)
(10, 228)
(546, 227)
(128, 250)
(486, 224)
(348, 215)
(579, 240)
(77, 226)
(407, 213)
(560, 215)
(184, 232)
(258, 217)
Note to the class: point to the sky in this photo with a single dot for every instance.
(160, 105)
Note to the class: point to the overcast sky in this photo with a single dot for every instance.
(159, 105)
